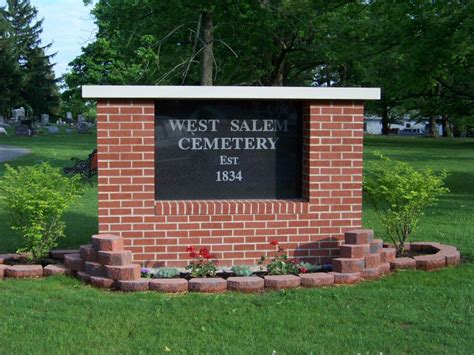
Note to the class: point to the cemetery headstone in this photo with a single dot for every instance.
(80, 118)
(83, 128)
(53, 130)
(23, 130)
(18, 114)
(3, 131)
(44, 119)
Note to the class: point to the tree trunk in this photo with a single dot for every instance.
(433, 132)
(385, 121)
(447, 132)
(207, 52)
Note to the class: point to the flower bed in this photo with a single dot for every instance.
(105, 264)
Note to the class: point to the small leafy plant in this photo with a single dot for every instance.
(400, 195)
(202, 264)
(281, 265)
(166, 273)
(36, 198)
(241, 270)
(146, 273)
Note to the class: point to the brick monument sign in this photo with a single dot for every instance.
(230, 169)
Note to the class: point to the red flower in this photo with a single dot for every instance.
(190, 249)
(274, 242)
(303, 270)
(205, 253)
(193, 254)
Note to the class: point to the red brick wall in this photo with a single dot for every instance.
(236, 231)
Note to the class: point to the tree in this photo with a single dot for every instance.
(10, 78)
(38, 86)
(232, 42)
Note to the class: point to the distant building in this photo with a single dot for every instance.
(406, 127)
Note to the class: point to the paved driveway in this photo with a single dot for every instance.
(8, 152)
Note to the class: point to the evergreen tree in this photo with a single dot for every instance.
(10, 78)
(38, 87)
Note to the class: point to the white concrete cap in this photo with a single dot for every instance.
(228, 92)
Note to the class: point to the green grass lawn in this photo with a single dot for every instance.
(407, 312)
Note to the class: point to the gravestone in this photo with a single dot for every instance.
(18, 114)
(23, 130)
(3, 131)
(44, 119)
(53, 130)
(69, 115)
(80, 118)
(83, 128)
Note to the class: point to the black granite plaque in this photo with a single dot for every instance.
(232, 149)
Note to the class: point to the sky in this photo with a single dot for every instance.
(68, 24)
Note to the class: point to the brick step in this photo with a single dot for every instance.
(107, 242)
(388, 254)
(372, 261)
(123, 272)
(359, 236)
(94, 269)
(88, 253)
(74, 262)
(345, 265)
(102, 282)
(354, 251)
(376, 246)
(59, 253)
(115, 258)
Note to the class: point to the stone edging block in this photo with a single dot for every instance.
(318, 279)
(25, 271)
(279, 282)
(169, 285)
(207, 285)
(245, 284)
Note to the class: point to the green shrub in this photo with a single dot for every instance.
(36, 198)
(400, 195)
(242, 270)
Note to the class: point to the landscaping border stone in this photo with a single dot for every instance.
(279, 282)
(346, 277)
(25, 271)
(133, 285)
(246, 284)
(126, 277)
(54, 269)
(169, 285)
(318, 279)
(207, 285)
